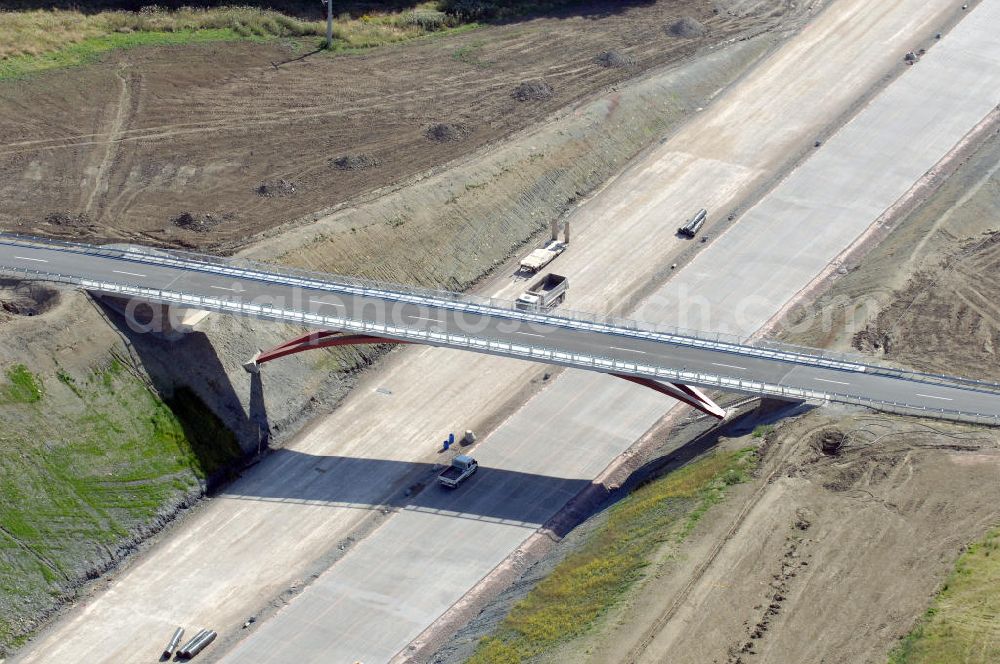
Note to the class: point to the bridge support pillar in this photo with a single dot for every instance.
(164, 319)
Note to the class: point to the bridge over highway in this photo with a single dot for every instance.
(643, 352)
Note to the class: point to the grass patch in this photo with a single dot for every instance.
(210, 442)
(88, 50)
(38, 40)
(469, 54)
(592, 579)
(81, 479)
(961, 625)
(22, 387)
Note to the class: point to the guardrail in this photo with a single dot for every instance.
(504, 348)
(500, 307)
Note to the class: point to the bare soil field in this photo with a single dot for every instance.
(154, 146)
(829, 557)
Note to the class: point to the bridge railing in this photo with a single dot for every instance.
(504, 348)
(265, 272)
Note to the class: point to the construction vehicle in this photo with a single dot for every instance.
(544, 294)
(691, 228)
(462, 467)
(544, 255)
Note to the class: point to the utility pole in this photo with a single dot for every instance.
(329, 24)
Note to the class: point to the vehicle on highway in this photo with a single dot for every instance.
(547, 253)
(462, 467)
(691, 228)
(539, 258)
(544, 294)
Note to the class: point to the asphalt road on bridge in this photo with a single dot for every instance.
(197, 280)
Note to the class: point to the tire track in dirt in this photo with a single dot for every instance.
(661, 621)
(34, 553)
(574, 75)
(123, 111)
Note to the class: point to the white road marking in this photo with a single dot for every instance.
(438, 320)
(224, 288)
(931, 396)
(627, 350)
(530, 334)
(332, 304)
(728, 366)
(131, 274)
(37, 260)
(838, 382)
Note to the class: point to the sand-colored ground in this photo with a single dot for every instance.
(245, 137)
(825, 557)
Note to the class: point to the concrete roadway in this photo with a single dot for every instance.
(378, 598)
(919, 396)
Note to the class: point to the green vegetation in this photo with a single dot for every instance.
(469, 54)
(37, 40)
(88, 50)
(479, 10)
(762, 430)
(211, 443)
(589, 581)
(961, 625)
(85, 468)
(23, 386)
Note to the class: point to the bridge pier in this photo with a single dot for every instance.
(687, 394)
(141, 316)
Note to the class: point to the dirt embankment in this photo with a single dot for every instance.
(830, 556)
(134, 146)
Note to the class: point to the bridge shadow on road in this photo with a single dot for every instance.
(495, 494)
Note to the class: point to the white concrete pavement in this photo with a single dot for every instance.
(786, 239)
(266, 533)
(371, 605)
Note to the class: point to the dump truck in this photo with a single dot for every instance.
(462, 467)
(691, 228)
(544, 294)
(547, 253)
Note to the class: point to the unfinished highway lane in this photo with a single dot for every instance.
(320, 301)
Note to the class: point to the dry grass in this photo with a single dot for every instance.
(589, 581)
(961, 625)
(38, 32)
